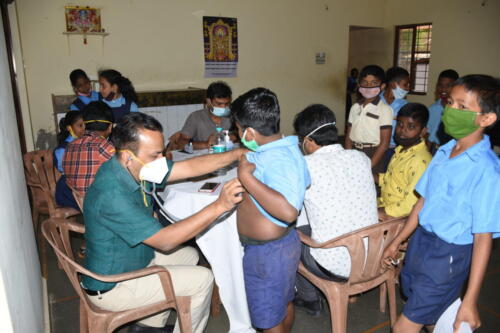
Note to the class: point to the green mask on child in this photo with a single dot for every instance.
(459, 123)
(252, 145)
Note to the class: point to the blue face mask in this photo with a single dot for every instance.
(252, 145)
(220, 112)
(399, 93)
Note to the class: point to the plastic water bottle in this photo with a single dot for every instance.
(227, 140)
(220, 145)
(188, 148)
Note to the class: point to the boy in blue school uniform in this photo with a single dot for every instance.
(456, 217)
(275, 177)
(83, 89)
(397, 87)
(435, 127)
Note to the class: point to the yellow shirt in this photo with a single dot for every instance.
(398, 183)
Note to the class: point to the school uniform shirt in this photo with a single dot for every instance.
(341, 198)
(199, 125)
(398, 183)
(396, 105)
(367, 121)
(281, 166)
(461, 194)
(59, 153)
(82, 159)
(435, 114)
(94, 96)
(116, 103)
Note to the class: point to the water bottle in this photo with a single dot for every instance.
(188, 148)
(227, 141)
(220, 145)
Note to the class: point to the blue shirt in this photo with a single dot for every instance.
(396, 105)
(281, 166)
(462, 195)
(59, 153)
(119, 102)
(94, 96)
(435, 114)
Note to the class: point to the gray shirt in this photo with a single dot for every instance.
(199, 125)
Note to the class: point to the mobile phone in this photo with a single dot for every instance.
(209, 187)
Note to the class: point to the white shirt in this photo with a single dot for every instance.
(341, 198)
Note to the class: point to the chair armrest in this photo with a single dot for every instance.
(65, 212)
(129, 275)
(312, 243)
(37, 185)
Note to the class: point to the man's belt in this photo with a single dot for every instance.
(359, 145)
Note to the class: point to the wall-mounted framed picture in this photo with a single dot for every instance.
(83, 19)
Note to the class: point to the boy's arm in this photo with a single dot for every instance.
(480, 256)
(411, 224)
(272, 201)
(347, 140)
(385, 139)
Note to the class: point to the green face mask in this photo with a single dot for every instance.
(459, 123)
(252, 145)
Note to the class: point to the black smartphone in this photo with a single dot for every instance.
(209, 187)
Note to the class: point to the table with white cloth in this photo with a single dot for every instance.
(219, 243)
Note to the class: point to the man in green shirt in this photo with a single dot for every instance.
(123, 235)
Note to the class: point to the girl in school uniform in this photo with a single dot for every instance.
(118, 92)
(71, 128)
(82, 88)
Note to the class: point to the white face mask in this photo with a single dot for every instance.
(154, 171)
(399, 93)
(314, 131)
(369, 92)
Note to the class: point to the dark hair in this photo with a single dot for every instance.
(97, 111)
(219, 89)
(449, 74)
(77, 74)
(396, 74)
(126, 132)
(69, 119)
(124, 85)
(487, 89)
(415, 111)
(354, 70)
(259, 109)
(374, 70)
(313, 117)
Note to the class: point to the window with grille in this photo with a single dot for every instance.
(413, 52)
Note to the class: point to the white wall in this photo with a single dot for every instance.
(21, 293)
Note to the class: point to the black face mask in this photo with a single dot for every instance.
(110, 96)
(406, 142)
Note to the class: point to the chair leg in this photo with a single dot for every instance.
(338, 311)
(216, 302)
(184, 313)
(35, 216)
(383, 297)
(391, 288)
(84, 324)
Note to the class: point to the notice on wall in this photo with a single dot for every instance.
(220, 39)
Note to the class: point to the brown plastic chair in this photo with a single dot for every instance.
(366, 270)
(93, 319)
(41, 177)
(79, 196)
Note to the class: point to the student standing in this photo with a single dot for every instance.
(370, 120)
(456, 217)
(118, 93)
(83, 89)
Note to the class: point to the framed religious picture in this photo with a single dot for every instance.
(83, 19)
(220, 38)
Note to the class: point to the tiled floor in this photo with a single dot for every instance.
(364, 315)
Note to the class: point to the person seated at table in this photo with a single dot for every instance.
(84, 156)
(275, 177)
(341, 199)
(123, 234)
(407, 165)
(203, 125)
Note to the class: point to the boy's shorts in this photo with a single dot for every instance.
(270, 270)
(432, 276)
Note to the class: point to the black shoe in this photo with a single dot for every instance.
(313, 308)
(136, 328)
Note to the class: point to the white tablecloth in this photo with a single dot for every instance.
(220, 244)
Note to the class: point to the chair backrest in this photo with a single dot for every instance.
(366, 263)
(41, 176)
(79, 196)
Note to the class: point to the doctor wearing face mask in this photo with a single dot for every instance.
(123, 234)
(202, 126)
